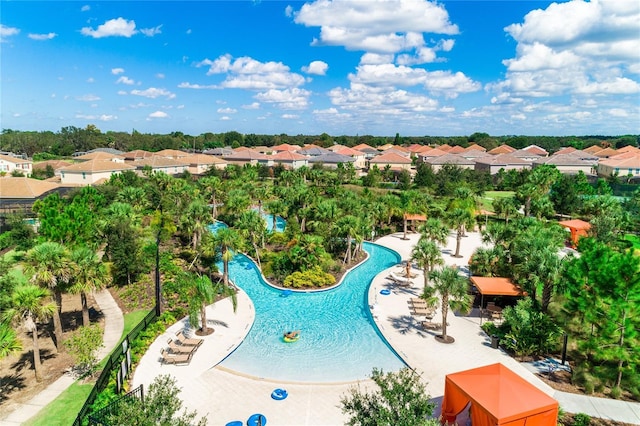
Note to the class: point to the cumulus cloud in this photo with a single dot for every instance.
(102, 117)
(226, 111)
(316, 67)
(116, 71)
(248, 73)
(290, 116)
(187, 85)
(85, 8)
(574, 48)
(293, 98)
(88, 98)
(40, 37)
(118, 27)
(158, 114)
(125, 80)
(153, 93)
(253, 105)
(376, 26)
(365, 99)
(6, 32)
(150, 32)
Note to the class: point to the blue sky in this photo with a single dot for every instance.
(376, 67)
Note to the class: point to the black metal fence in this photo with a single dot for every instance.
(100, 417)
(119, 360)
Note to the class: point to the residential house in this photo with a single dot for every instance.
(200, 163)
(527, 155)
(360, 157)
(100, 155)
(10, 164)
(137, 154)
(476, 147)
(218, 152)
(425, 155)
(494, 163)
(312, 151)
(17, 194)
(92, 172)
(606, 153)
(369, 151)
(536, 150)
(288, 159)
(458, 160)
(171, 153)
(395, 161)
(245, 156)
(623, 165)
(457, 149)
(332, 159)
(285, 147)
(571, 163)
(166, 165)
(502, 149)
(56, 165)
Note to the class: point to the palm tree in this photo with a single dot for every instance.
(459, 219)
(211, 186)
(9, 342)
(435, 230)
(427, 254)
(194, 220)
(28, 307)
(202, 294)
(49, 265)
(90, 274)
(452, 288)
(276, 208)
(228, 240)
(348, 226)
(252, 227)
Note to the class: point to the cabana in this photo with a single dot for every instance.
(498, 396)
(495, 286)
(412, 217)
(578, 228)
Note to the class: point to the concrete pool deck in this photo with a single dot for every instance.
(225, 396)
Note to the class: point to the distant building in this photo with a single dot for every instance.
(10, 164)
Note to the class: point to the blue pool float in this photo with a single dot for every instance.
(247, 266)
(285, 293)
(385, 291)
(234, 423)
(257, 419)
(279, 394)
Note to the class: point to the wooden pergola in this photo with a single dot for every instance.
(412, 217)
(579, 228)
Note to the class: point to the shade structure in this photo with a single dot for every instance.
(498, 396)
(578, 228)
(497, 286)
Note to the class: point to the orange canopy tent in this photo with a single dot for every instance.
(411, 217)
(577, 227)
(498, 396)
(495, 286)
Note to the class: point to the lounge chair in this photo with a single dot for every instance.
(178, 349)
(180, 359)
(186, 341)
(403, 281)
(428, 325)
(420, 311)
(416, 301)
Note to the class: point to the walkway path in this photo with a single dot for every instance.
(113, 327)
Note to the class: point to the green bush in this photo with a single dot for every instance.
(314, 277)
(581, 419)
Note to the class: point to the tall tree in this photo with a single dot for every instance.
(452, 288)
(252, 227)
(459, 219)
(29, 306)
(89, 274)
(228, 240)
(50, 267)
(427, 254)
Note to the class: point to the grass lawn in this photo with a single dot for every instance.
(16, 271)
(64, 409)
(486, 201)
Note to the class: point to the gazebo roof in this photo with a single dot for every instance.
(497, 286)
(576, 224)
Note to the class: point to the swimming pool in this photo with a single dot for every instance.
(339, 341)
(280, 222)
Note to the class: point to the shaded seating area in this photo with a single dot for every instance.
(494, 286)
(497, 396)
(578, 228)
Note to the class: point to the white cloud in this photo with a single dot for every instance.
(85, 8)
(316, 67)
(88, 98)
(122, 92)
(187, 85)
(150, 32)
(253, 105)
(290, 116)
(90, 80)
(7, 32)
(153, 93)
(248, 73)
(365, 99)
(118, 27)
(376, 59)
(180, 107)
(116, 71)
(375, 26)
(226, 111)
(293, 98)
(40, 37)
(225, 118)
(158, 114)
(125, 80)
(102, 117)
(160, 75)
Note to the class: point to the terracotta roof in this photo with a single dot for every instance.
(97, 166)
(14, 160)
(628, 163)
(395, 150)
(286, 147)
(287, 156)
(362, 146)
(434, 152)
(502, 149)
(456, 149)
(415, 147)
(424, 148)
(477, 147)
(629, 148)
(502, 160)
(386, 147)
(159, 161)
(245, 155)
(535, 149)
(444, 147)
(451, 159)
(98, 155)
(607, 152)
(390, 158)
(24, 187)
(55, 164)
(350, 152)
(593, 149)
(565, 150)
(195, 159)
(171, 153)
(137, 154)
(336, 147)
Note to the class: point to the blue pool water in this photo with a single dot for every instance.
(338, 339)
(280, 222)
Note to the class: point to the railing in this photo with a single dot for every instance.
(120, 360)
(100, 417)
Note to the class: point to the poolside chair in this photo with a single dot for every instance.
(186, 341)
(428, 325)
(177, 349)
(181, 359)
(420, 311)
(401, 281)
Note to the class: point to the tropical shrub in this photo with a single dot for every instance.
(82, 346)
(314, 277)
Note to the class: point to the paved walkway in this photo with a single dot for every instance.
(113, 327)
(225, 396)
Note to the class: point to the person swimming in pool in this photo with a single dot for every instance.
(292, 334)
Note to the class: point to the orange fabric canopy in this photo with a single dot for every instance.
(498, 396)
(577, 227)
(497, 286)
(409, 216)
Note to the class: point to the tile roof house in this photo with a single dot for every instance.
(332, 159)
(623, 167)
(91, 172)
(171, 153)
(536, 150)
(457, 149)
(593, 149)
(395, 161)
(494, 163)
(201, 163)
(476, 147)
(502, 149)
(137, 154)
(436, 163)
(312, 151)
(10, 164)
(571, 163)
(246, 156)
(606, 153)
(472, 154)
(166, 165)
(285, 147)
(430, 153)
(56, 165)
(100, 155)
(359, 156)
(288, 159)
(17, 194)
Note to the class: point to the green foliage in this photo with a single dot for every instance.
(82, 346)
(527, 330)
(581, 419)
(161, 406)
(313, 278)
(401, 399)
(9, 342)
